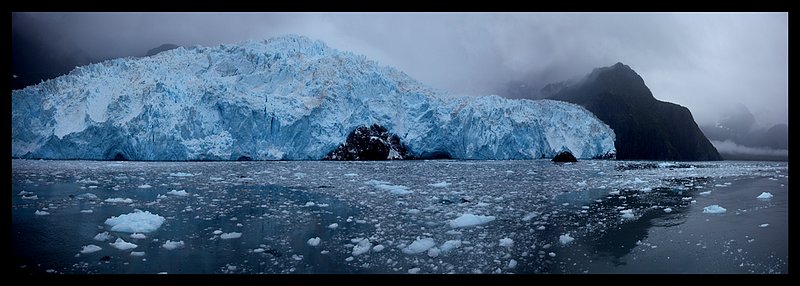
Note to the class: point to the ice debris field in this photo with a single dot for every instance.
(410, 217)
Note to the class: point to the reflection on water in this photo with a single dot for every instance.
(616, 213)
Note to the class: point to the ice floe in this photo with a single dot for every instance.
(714, 209)
(181, 193)
(119, 200)
(123, 245)
(467, 220)
(386, 186)
(362, 247)
(170, 245)
(440, 185)
(91, 248)
(565, 239)
(765, 196)
(419, 246)
(230, 235)
(138, 221)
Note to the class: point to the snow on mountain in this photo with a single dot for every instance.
(287, 98)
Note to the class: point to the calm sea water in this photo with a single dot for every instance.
(396, 217)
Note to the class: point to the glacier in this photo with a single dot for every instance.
(284, 98)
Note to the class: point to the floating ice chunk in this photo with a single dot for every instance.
(313, 241)
(181, 193)
(529, 216)
(350, 175)
(613, 193)
(310, 204)
(449, 245)
(123, 245)
(170, 245)
(38, 212)
(119, 200)
(581, 184)
(706, 193)
(91, 248)
(765, 196)
(565, 239)
(440, 185)
(333, 225)
(419, 246)
(145, 186)
(627, 214)
(506, 242)
(385, 186)
(87, 211)
(763, 225)
(34, 197)
(25, 193)
(666, 165)
(87, 196)
(137, 221)
(552, 254)
(646, 190)
(137, 253)
(467, 220)
(230, 235)
(138, 236)
(103, 236)
(512, 263)
(259, 250)
(433, 252)
(714, 209)
(181, 174)
(668, 210)
(414, 270)
(217, 232)
(378, 248)
(541, 227)
(362, 247)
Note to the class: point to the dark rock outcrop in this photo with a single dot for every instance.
(564, 156)
(646, 128)
(369, 143)
(161, 48)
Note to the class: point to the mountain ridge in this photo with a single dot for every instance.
(646, 128)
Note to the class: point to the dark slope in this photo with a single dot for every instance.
(646, 128)
(161, 48)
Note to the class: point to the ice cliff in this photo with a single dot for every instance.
(286, 98)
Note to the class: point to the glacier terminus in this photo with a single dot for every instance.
(285, 98)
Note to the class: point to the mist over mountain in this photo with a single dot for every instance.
(738, 136)
(646, 128)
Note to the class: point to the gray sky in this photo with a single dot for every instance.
(706, 62)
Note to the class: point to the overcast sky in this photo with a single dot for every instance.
(706, 62)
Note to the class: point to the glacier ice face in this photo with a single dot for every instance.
(286, 98)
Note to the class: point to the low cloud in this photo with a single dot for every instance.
(730, 147)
